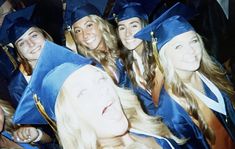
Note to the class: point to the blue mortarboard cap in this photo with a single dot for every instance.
(55, 64)
(15, 25)
(126, 9)
(77, 9)
(170, 24)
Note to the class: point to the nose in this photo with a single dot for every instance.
(30, 43)
(86, 33)
(128, 32)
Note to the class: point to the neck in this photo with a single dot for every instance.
(139, 49)
(33, 63)
(187, 77)
(116, 142)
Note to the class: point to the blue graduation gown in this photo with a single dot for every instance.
(162, 142)
(124, 80)
(6, 66)
(23, 145)
(227, 121)
(179, 122)
(16, 87)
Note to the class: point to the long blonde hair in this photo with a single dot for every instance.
(211, 70)
(75, 133)
(106, 58)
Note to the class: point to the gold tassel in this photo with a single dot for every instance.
(13, 61)
(44, 114)
(155, 52)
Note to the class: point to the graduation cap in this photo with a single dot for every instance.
(55, 64)
(77, 9)
(16, 24)
(126, 9)
(170, 24)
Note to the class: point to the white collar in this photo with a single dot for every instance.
(212, 104)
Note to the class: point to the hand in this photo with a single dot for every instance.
(25, 134)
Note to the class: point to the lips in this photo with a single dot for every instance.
(129, 40)
(90, 40)
(111, 113)
(35, 50)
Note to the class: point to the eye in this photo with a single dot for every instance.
(134, 26)
(34, 35)
(89, 25)
(21, 44)
(177, 47)
(121, 28)
(76, 31)
(195, 40)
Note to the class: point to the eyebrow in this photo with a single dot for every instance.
(84, 24)
(30, 33)
(122, 24)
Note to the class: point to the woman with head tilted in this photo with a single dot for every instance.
(94, 36)
(72, 92)
(141, 65)
(196, 101)
(28, 41)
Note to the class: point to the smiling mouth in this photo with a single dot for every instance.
(35, 50)
(90, 40)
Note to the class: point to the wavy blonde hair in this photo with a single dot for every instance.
(207, 67)
(106, 58)
(75, 133)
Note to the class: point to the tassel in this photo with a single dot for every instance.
(155, 52)
(13, 61)
(44, 114)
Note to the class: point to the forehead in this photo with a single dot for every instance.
(87, 75)
(82, 21)
(184, 37)
(131, 20)
(30, 30)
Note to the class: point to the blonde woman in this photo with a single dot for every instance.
(196, 102)
(95, 38)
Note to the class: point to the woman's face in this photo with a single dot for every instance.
(127, 29)
(184, 51)
(31, 43)
(97, 102)
(87, 33)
